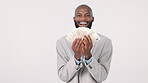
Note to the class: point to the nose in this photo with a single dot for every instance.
(83, 18)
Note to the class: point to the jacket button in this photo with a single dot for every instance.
(90, 66)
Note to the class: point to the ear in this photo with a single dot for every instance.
(92, 19)
(73, 18)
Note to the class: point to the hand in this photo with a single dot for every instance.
(87, 46)
(77, 48)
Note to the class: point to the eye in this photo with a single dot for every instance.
(88, 15)
(78, 15)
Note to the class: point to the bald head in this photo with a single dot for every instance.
(83, 7)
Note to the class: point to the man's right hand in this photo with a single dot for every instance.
(77, 48)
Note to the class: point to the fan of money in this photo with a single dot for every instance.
(81, 32)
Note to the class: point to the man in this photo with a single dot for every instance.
(82, 61)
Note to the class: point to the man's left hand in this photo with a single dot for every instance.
(87, 46)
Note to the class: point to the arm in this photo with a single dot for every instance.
(66, 68)
(99, 68)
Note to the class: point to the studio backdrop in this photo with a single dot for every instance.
(29, 30)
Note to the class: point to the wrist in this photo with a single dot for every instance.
(77, 57)
(88, 56)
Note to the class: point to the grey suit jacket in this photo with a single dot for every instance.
(95, 72)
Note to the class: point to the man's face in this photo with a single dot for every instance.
(83, 17)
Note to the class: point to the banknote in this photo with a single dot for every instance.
(81, 32)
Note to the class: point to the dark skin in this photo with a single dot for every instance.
(83, 46)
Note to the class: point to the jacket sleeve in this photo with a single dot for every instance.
(67, 68)
(99, 68)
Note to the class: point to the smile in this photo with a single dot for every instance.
(83, 23)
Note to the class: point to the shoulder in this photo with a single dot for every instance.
(104, 41)
(104, 38)
(62, 40)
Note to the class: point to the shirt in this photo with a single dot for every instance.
(83, 59)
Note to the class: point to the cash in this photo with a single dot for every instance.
(81, 32)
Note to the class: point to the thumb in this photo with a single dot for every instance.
(82, 50)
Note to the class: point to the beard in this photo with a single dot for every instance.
(89, 26)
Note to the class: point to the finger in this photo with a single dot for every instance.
(80, 45)
(87, 39)
(74, 42)
(78, 42)
(84, 45)
(84, 42)
(90, 40)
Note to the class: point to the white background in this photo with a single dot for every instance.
(29, 30)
